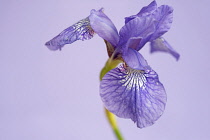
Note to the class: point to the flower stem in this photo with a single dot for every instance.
(112, 121)
(110, 64)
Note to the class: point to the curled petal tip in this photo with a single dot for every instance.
(52, 47)
(160, 44)
(95, 11)
(102, 9)
(47, 44)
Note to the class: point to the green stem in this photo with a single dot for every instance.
(118, 134)
(112, 121)
(110, 64)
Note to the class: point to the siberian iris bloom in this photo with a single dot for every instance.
(129, 87)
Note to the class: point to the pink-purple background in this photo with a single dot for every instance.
(46, 95)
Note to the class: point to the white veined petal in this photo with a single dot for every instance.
(134, 94)
(79, 31)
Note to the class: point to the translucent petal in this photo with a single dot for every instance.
(134, 94)
(162, 45)
(145, 11)
(79, 31)
(164, 18)
(104, 27)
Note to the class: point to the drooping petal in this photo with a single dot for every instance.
(133, 94)
(145, 11)
(139, 28)
(135, 60)
(79, 31)
(160, 44)
(104, 27)
(164, 18)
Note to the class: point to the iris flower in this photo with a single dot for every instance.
(129, 87)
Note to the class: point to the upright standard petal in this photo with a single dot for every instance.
(79, 31)
(104, 27)
(162, 45)
(136, 32)
(164, 18)
(134, 94)
(145, 11)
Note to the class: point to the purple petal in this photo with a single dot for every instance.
(133, 94)
(160, 22)
(133, 42)
(138, 28)
(79, 31)
(135, 60)
(161, 44)
(104, 27)
(127, 19)
(164, 17)
(145, 11)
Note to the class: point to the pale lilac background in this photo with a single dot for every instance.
(46, 95)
